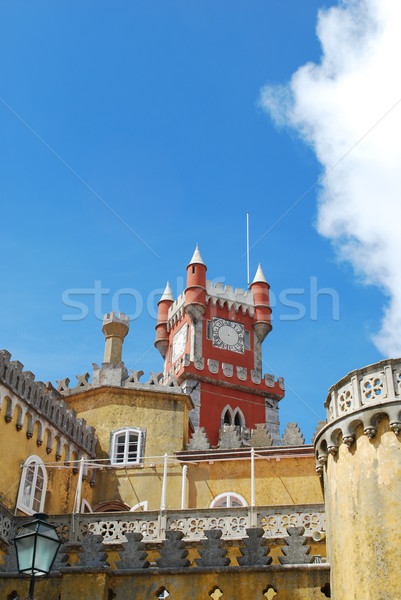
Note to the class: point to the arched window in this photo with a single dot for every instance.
(228, 500)
(127, 446)
(227, 416)
(141, 505)
(32, 489)
(239, 419)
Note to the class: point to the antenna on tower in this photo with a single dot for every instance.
(247, 248)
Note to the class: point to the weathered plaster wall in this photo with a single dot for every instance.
(363, 508)
(287, 583)
(15, 448)
(165, 418)
(284, 481)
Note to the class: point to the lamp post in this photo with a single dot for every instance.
(36, 544)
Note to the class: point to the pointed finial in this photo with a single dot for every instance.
(167, 294)
(196, 259)
(259, 277)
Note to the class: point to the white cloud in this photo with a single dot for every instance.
(352, 100)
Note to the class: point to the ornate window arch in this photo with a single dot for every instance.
(32, 489)
(127, 446)
(227, 416)
(239, 419)
(228, 500)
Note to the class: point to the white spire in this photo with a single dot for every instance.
(196, 259)
(259, 277)
(167, 294)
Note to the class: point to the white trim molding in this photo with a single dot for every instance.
(228, 500)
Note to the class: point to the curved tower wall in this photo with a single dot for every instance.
(358, 456)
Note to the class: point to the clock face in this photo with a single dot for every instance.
(179, 342)
(228, 335)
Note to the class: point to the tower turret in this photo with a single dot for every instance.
(162, 336)
(195, 292)
(262, 320)
(115, 328)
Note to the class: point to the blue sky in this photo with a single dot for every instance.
(151, 111)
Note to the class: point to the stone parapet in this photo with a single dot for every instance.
(42, 403)
(363, 397)
(193, 523)
(228, 373)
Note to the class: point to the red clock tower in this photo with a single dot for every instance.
(210, 338)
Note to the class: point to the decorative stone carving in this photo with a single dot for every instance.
(255, 551)
(213, 552)
(269, 380)
(135, 376)
(229, 437)
(260, 437)
(292, 436)
(199, 363)
(62, 384)
(280, 381)
(213, 365)
(173, 554)
(83, 380)
(133, 554)
(297, 552)
(199, 440)
(242, 373)
(373, 388)
(363, 397)
(154, 378)
(92, 553)
(345, 400)
(228, 370)
(255, 377)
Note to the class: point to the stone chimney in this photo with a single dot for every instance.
(115, 328)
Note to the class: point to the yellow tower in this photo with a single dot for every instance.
(358, 456)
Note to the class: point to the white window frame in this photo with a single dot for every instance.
(27, 506)
(143, 505)
(114, 435)
(230, 496)
(85, 505)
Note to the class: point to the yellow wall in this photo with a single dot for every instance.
(294, 583)
(165, 418)
(363, 507)
(285, 481)
(15, 448)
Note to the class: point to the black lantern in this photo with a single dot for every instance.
(36, 544)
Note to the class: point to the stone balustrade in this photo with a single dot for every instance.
(152, 525)
(362, 397)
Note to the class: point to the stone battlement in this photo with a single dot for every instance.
(176, 311)
(112, 317)
(45, 401)
(226, 372)
(116, 375)
(226, 295)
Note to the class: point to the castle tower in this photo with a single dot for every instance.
(212, 345)
(162, 336)
(358, 456)
(115, 328)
